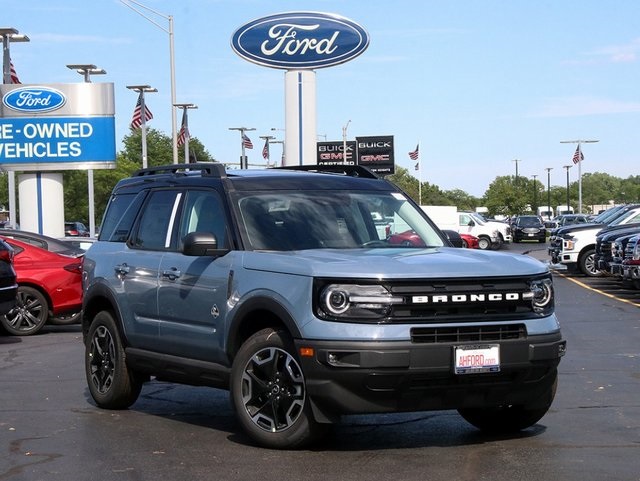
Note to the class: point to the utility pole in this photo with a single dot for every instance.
(567, 167)
(548, 209)
(516, 161)
(535, 193)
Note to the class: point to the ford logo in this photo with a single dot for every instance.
(34, 99)
(300, 40)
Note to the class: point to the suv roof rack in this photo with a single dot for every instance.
(212, 169)
(349, 170)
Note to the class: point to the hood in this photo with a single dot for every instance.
(577, 227)
(392, 263)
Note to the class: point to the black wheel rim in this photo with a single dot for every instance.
(29, 313)
(102, 359)
(273, 391)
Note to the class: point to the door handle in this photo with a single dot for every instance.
(171, 274)
(121, 269)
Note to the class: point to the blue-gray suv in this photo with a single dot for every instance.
(280, 286)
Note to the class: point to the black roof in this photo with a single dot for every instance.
(284, 178)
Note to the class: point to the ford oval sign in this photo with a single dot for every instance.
(34, 100)
(300, 40)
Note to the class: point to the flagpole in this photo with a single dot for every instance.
(419, 175)
(579, 166)
(141, 89)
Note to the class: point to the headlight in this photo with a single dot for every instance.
(569, 244)
(542, 299)
(352, 301)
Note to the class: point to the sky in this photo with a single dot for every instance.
(486, 87)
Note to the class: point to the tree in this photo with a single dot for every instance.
(505, 198)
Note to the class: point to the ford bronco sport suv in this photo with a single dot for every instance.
(279, 285)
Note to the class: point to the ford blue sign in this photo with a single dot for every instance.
(34, 100)
(300, 40)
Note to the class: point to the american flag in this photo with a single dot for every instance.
(577, 157)
(265, 149)
(184, 134)
(414, 154)
(14, 75)
(246, 141)
(136, 121)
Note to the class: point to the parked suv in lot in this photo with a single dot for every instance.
(276, 285)
(528, 227)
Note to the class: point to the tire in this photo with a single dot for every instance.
(510, 419)
(111, 383)
(484, 243)
(29, 314)
(587, 264)
(66, 319)
(465, 244)
(269, 394)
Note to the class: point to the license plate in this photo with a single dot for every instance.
(530, 235)
(477, 358)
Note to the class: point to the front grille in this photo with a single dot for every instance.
(489, 333)
(455, 300)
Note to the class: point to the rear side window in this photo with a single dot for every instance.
(119, 217)
(155, 226)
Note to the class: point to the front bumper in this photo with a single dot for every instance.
(377, 377)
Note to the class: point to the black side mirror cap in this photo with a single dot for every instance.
(202, 244)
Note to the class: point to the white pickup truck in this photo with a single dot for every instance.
(490, 234)
(575, 246)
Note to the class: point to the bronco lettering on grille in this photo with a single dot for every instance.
(457, 298)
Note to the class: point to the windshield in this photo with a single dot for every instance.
(338, 220)
(478, 218)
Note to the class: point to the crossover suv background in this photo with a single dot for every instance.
(280, 285)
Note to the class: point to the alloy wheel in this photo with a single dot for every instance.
(273, 391)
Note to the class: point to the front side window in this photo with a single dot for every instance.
(335, 220)
(203, 212)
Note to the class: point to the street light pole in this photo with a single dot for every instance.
(243, 158)
(142, 89)
(267, 140)
(567, 167)
(579, 162)
(273, 129)
(172, 64)
(548, 209)
(344, 142)
(10, 34)
(86, 70)
(185, 125)
(282, 158)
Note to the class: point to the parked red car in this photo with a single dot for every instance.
(410, 238)
(469, 241)
(49, 284)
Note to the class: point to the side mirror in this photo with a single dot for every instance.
(471, 223)
(201, 244)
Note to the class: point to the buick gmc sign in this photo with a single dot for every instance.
(34, 100)
(300, 40)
